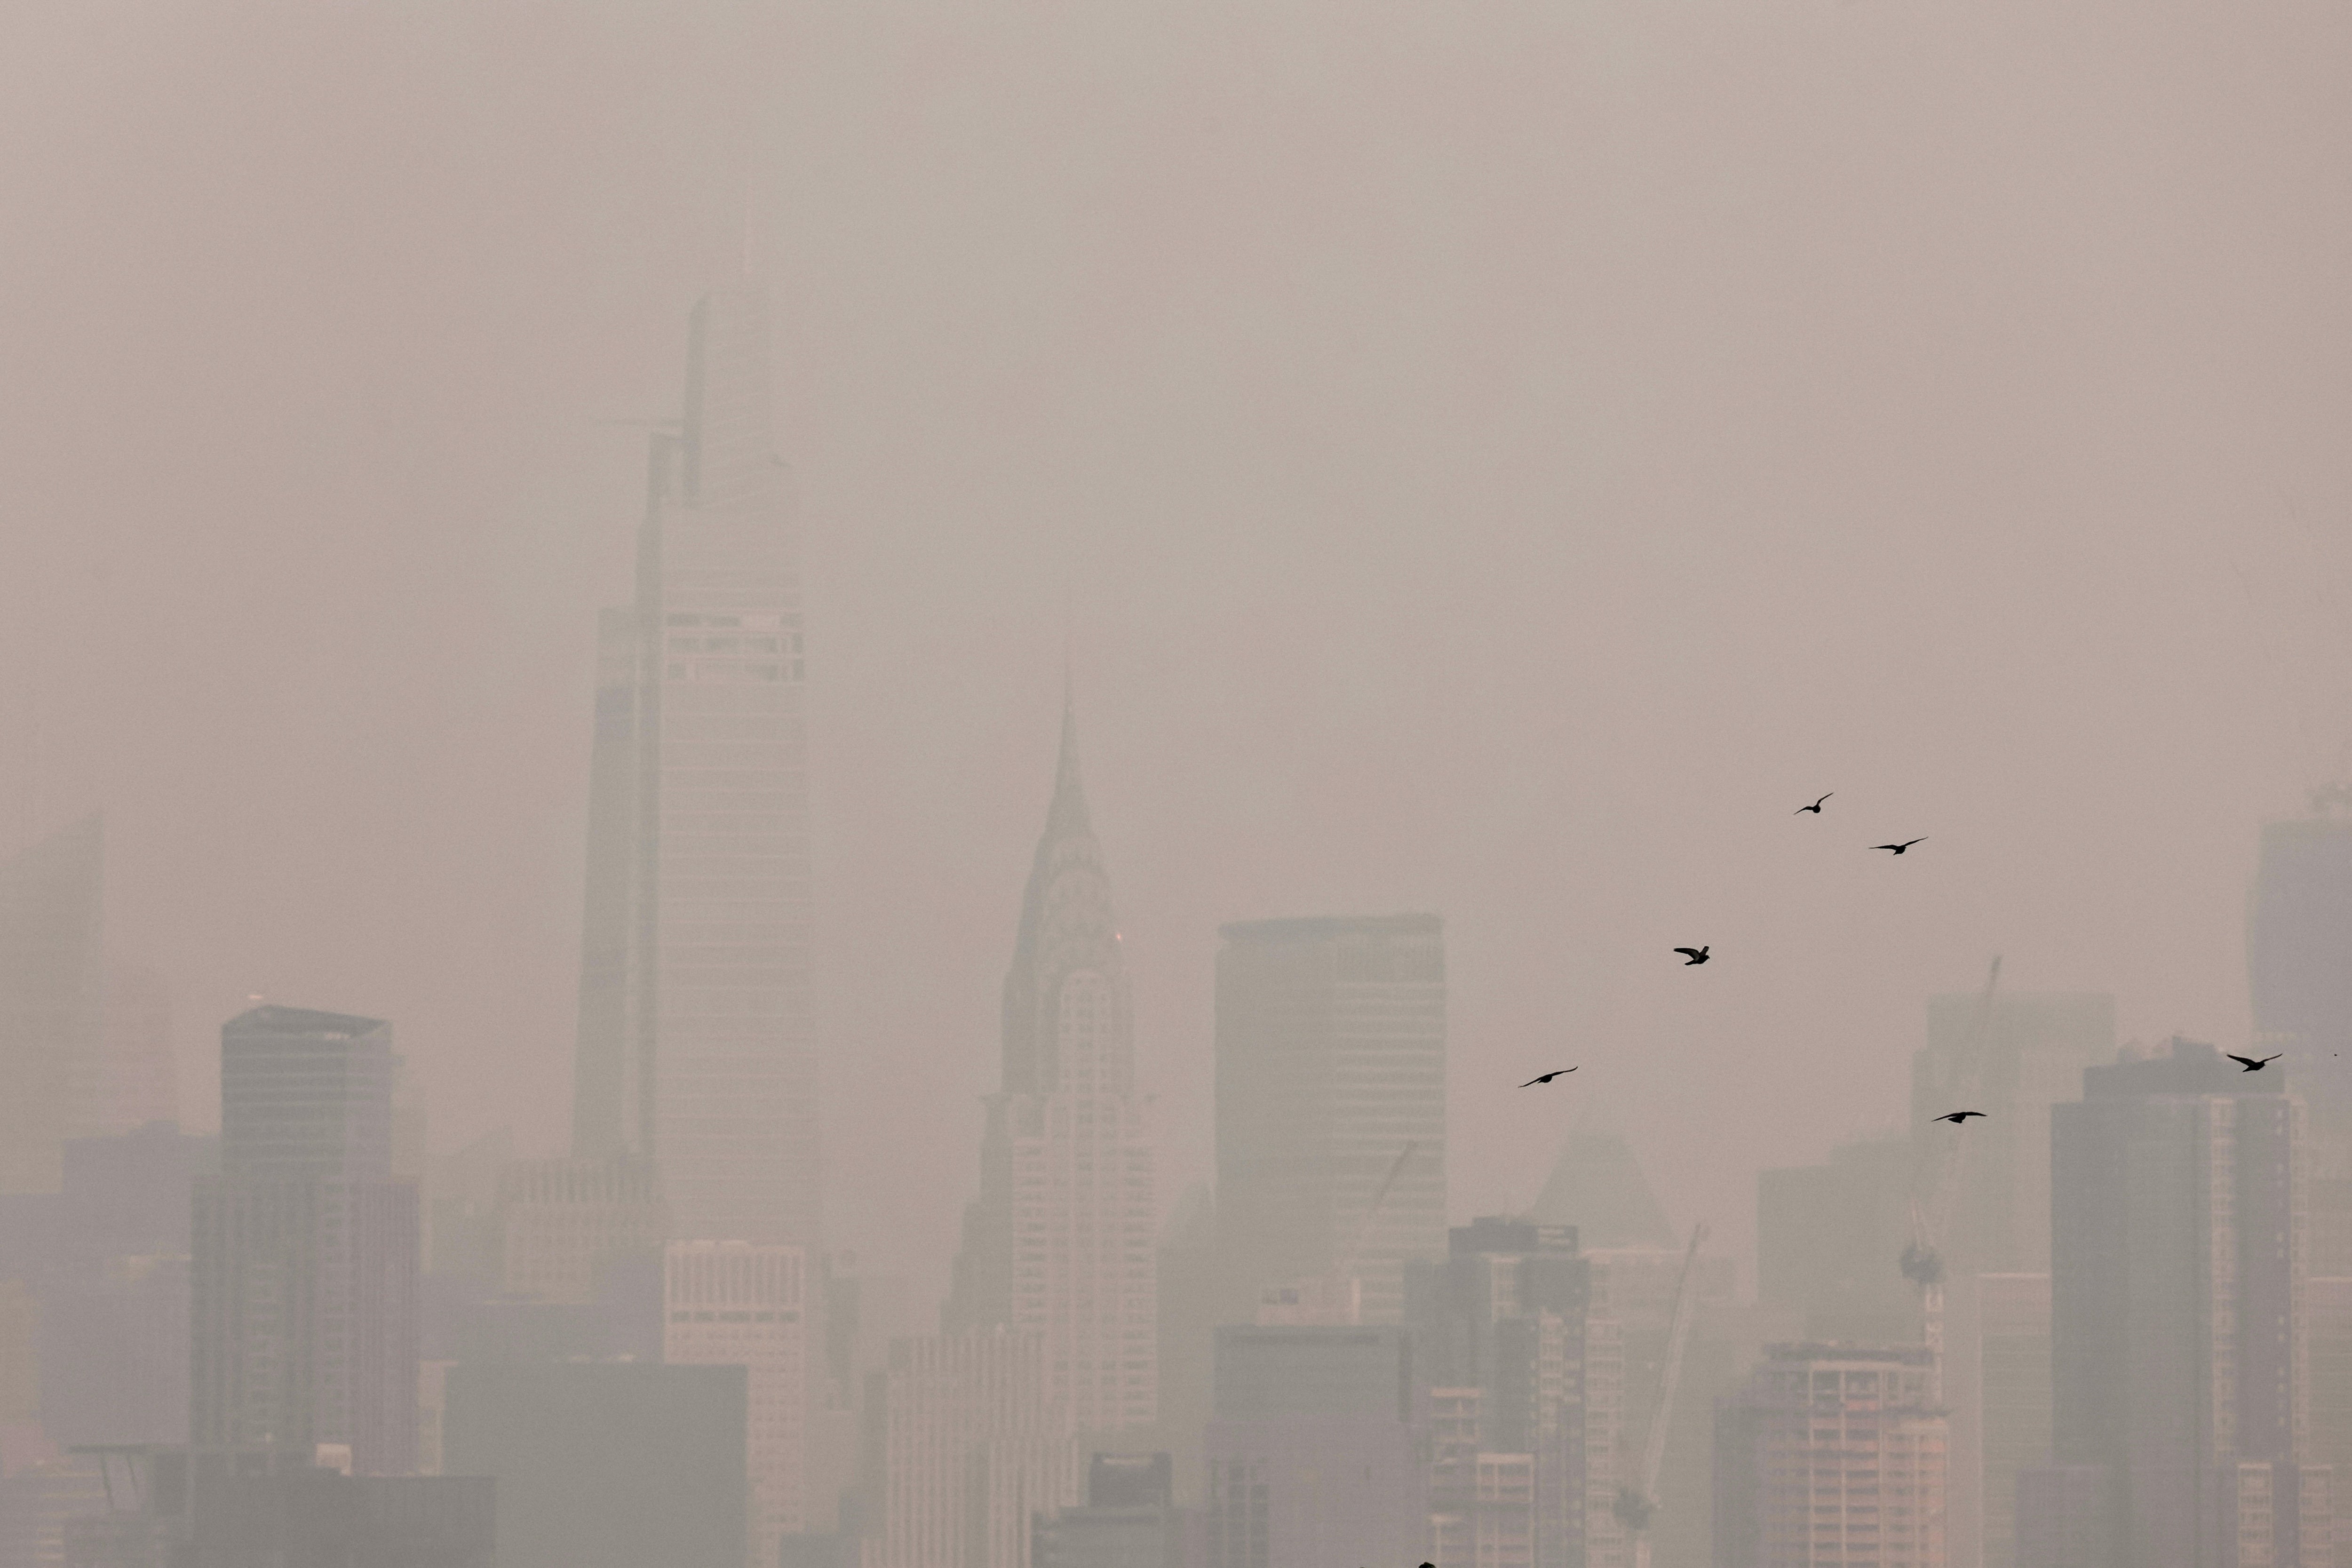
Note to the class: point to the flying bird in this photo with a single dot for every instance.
(1815, 808)
(1906, 844)
(1546, 1079)
(2250, 1065)
(1697, 955)
(1959, 1118)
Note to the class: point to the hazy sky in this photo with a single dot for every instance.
(1492, 459)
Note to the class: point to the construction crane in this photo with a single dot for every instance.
(1931, 1210)
(1344, 1265)
(1637, 1504)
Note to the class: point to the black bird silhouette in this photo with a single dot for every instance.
(1697, 955)
(1959, 1118)
(1546, 1079)
(2253, 1066)
(1815, 808)
(1906, 844)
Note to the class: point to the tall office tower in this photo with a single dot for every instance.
(1834, 1455)
(731, 1303)
(973, 1451)
(698, 1043)
(1314, 1455)
(51, 1000)
(1330, 1104)
(560, 1220)
(1829, 1241)
(306, 1303)
(1061, 1238)
(132, 1080)
(2299, 953)
(1498, 1331)
(2181, 1378)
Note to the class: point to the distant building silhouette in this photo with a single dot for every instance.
(52, 1002)
(1330, 1065)
(1834, 1454)
(1829, 1245)
(2178, 1333)
(2299, 954)
(697, 1045)
(306, 1323)
(1314, 1456)
(1996, 1341)
(560, 1220)
(1190, 1294)
(1060, 1239)
(606, 1464)
(1597, 1187)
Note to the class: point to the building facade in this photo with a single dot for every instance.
(973, 1451)
(1315, 1455)
(698, 1045)
(51, 1001)
(305, 1281)
(559, 1221)
(731, 1303)
(1834, 1455)
(1331, 1086)
(1061, 1240)
(2179, 1349)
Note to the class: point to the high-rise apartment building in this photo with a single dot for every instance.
(733, 1304)
(1997, 1338)
(698, 1045)
(1499, 1332)
(1061, 1238)
(1331, 1075)
(2179, 1353)
(1315, 1454)
(1630, 1326)
(1836, 1454)
(2329, 1303)
(305, 1285)
(973, 1451)
(51, 1001)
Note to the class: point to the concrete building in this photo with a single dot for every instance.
(305, 1320)
(1997, 1338)
(2328, 1301)
(1130, 1518)
(1836, 1454)
(970, 1450)
(2179, 1331)
(1314, 1458)
(731, 1303)
(560, 1220)
(1060, 1241)
(698, 1045)
(1498, 1333)
(606, 1464)
(1330, 1084)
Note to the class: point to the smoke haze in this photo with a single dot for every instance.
(1495, 460)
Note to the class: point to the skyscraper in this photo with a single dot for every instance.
(305, 1282)
(696, 1043)
(731, 1303)
(1498, 1331)
(2299, 953)
(1061, 1238)
(2179, 1334)
(1834, 1454)
(51, 1001)
(1330, 1104)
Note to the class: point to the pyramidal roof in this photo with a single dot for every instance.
(1597, 1187)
